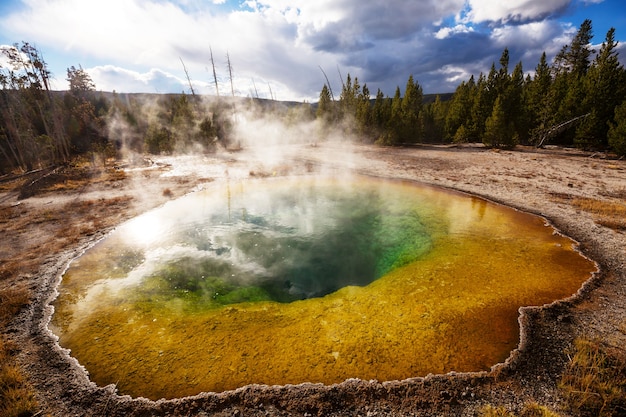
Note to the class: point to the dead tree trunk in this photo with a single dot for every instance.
(217, 89)
(555, 129)
(193, 93)
(230, 74)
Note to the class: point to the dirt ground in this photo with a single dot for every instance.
(49, 217)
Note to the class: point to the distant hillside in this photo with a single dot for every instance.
(430, 98)
(427, 99)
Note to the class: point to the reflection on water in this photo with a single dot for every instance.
(318, 280)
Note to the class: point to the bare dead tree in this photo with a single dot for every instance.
(332, 96)
(230, 74)
(557, 128)
(217, 90)
(343, 85)
(193, 93)
(256, 92)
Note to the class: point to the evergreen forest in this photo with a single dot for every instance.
(578, 99)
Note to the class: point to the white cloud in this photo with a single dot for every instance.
(527, 36)
(446, 32)
(112, 78)
(453, 74)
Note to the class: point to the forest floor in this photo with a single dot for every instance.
(49, 217)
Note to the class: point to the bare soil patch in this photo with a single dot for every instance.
(48, 218)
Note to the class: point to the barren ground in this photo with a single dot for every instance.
(46, 220)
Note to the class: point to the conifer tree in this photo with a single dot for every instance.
(364, 112)
(83, 126)
(411, 106)
(324, 106)
(498, 131)
(503, 77)
(617, 130)
(570, 67)
(605, 89)
(381, 113)
(514, 105)
(459, 110)
(348, 98)
(539, 101)
(392, 133)
(575, 58)
(482, 106)
(433, 121)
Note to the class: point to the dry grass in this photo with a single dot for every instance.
(600, 207)
(595, 381)
(530, 410)
(12, 299)
(606, 213)
(611, 214)
(75, 178)
(16, 397)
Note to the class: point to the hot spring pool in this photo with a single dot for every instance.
(284, 281)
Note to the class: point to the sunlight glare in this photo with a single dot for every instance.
(143, 230)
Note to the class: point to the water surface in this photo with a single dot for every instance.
(308, 280)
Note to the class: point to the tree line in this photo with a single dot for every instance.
(40, 127)
(577, 100)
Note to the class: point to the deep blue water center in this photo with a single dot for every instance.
(289, 244)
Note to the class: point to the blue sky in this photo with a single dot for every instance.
(137, 45)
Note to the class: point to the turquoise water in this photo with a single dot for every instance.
(282, 242)
(301, 242)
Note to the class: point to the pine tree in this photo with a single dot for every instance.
(411, 106)
(570, 67)
(514, 106)
(364, 113)
(617, 130)
(604, 86)
(324, 106)
(459, 110)
(575, 58)
(83, 126)
(433, 121)
(392, 135)
(539, 100)
(348, 98)
(482, 106)
(498, 131)
(503, 77)
(79, 80)
(381, 113)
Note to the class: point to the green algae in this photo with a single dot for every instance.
(442, 294)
